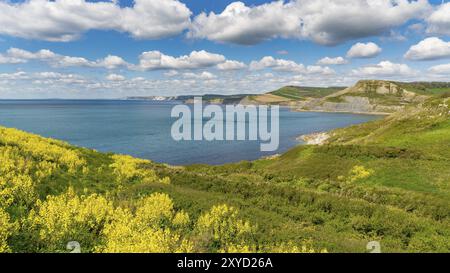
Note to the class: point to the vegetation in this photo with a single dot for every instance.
(299, 93)
(426, 88)
(52, 193)
(386, 180)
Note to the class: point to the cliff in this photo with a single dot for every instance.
(368, 96)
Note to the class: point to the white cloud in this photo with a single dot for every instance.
(283, 65)
(111, 62)
(384, 68)
(440, 69)
(231, 65)
(153, 60)
(72, 61)
(316, 69)
(17, 55)
(431, 48)
(49, 75)
(439, 20)
(323, 21)
(51, 78)
(26, 55)
(201, 76)
(66, 20)
(332, 61)
(361, 50)
(115, 77)
(171, 73)
(277, 64)
(10, 60)
(246, 25)
(14, 76)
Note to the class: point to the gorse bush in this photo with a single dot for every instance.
(127, 169)
(41, 149)
(31, 221)
(153, 227)
(359, 173)
(222, 228)
(6, 231)
(67, 217)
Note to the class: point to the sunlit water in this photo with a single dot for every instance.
(143, 129)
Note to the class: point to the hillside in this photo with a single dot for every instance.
(285, 96)
(299, 93)
(385, 180)
(426, 88)
(366, 96)
(374, 96)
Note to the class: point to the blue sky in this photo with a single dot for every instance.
(58, 48)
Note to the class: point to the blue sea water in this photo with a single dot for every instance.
(143, 129)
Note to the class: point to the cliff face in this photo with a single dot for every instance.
(368, 96)
(381, 88)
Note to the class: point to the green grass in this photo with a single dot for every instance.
(296, 93)
(307, 193)
(426, 88)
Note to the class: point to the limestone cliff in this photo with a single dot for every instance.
(368, 96)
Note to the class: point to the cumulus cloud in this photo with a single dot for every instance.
(27, 55)
(115, 77)
(111, 62)
(431, 48)
(384, 68)
(361, 50)
(246, 25)
(283, 65)
(51, 78)
(20, 75)
(439, 20)
(440, 69)
(153, 60)
(10, 60)
(17, 55)
(277, 64)
(150, 60)
(67, 20)
(332, 61)
(323, 21)
(231, 65)
(72, 61)
(205, 75)
(317, 69)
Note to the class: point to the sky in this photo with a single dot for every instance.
(114, 49)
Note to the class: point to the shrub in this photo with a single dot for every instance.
(6, 230)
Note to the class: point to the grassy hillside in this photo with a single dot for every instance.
(298, 93)
(385, 180)
(426, 88)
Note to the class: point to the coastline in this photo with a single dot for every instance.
(82, 138)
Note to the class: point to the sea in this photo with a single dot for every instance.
(142, 128)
